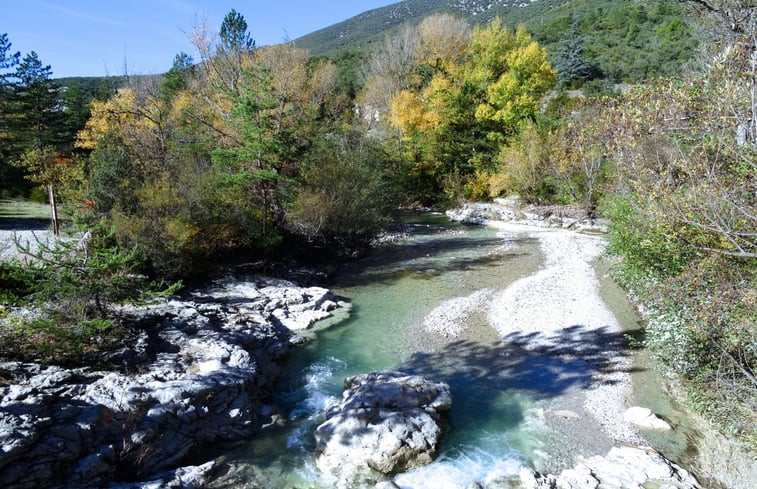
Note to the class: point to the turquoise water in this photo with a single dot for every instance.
(493, 386)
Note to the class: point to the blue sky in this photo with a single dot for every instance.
(100, 37)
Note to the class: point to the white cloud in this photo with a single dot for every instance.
(86, 16)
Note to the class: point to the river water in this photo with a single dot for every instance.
(500, 392)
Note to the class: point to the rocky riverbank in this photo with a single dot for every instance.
(194, 375)
(511, 211)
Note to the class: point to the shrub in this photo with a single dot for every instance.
(347, 197)
(74, 289)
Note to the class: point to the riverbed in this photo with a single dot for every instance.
(539, 371)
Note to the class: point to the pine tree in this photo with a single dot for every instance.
(75, 112)
(36, 99)
(234, 35)
(8, 60)
(570, 64)
(177, 78)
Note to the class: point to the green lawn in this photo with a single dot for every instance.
(19, 215)
(19, 208)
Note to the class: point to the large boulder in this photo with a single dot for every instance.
(388, 421)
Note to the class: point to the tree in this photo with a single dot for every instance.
(38, 104)
(37, 126)
(177, 78)
(685, 218)
(392, 67)
(8, 61)
(46, 167)
(570, 64)
(736, 16)
(347, 193)
(444, 41)
(234, 35)
(454, 123)
(75, 112)
(515, 72)
(251, 171)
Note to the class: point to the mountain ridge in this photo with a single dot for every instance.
(361, 30)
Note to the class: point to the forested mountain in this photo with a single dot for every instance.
(360, 31)
(621, 41)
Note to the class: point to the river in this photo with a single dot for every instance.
(512, 406)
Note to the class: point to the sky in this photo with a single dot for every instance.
(111, 37)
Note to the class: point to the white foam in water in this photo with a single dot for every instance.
(461, 470)
(317, 399)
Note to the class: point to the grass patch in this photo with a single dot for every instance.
(19, 209)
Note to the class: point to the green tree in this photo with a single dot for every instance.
(250, 171)
(75, 113)
(9, 175)
(570, 63)
(515, 72)
(348, 192)
(37, 104)
(177, 78)
(234, 35)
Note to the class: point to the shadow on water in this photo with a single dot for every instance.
(480, 375)
(422, 260)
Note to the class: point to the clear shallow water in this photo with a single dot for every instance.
(489, 430)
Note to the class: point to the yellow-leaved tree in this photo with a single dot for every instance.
(515, 72)
(473, 97)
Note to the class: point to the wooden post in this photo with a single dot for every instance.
(53, 210)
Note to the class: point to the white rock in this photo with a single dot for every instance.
(645, 418)
(622, 468)
(387, 421)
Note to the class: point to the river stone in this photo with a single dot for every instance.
(622, 468)
(645, 418)
(514, 212)
(388, 421)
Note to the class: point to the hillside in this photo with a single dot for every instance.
(620, 40)
(360, 31)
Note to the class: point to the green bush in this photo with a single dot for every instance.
(16, 283)
(73, 289)
(646, 244)
(38, 195)
(347, 195)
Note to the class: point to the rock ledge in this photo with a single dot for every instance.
(194, 376)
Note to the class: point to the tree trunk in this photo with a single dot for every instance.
(53, 210)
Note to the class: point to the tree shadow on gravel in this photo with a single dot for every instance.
(23, 223)
(539, 365)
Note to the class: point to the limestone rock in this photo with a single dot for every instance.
(622, 468)
(645, 418)
(386, 485)
(194, 376)
(511, 210)
(192, 477)
(388, 421)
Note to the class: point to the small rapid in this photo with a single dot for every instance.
(491, 459)
(311, 400)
